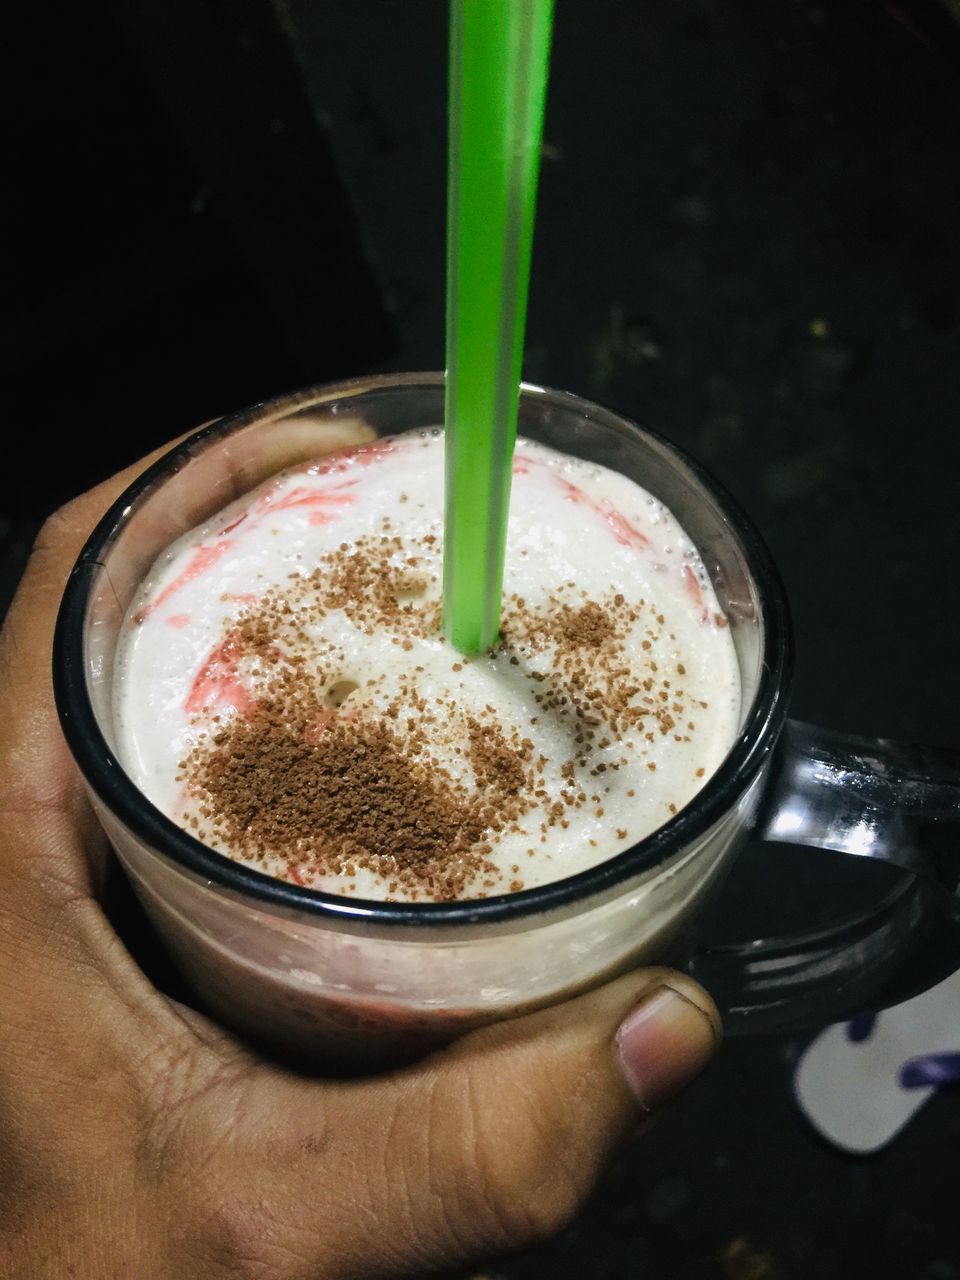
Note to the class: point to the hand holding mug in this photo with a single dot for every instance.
(137, 1138)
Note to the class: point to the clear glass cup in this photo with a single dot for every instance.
(337, 983)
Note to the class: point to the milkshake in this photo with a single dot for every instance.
(283, 692)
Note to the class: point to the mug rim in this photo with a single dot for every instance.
(162, 836)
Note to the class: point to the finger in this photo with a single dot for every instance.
(51, 849)
(26, 696)
(522, 1126)
(37, 769)
(496, 1142)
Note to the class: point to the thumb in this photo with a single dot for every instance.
(537, 1106)
(497, 1141)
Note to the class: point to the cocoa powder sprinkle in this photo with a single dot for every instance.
(350, 797)
(321, 776)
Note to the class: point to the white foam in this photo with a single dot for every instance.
(576, 531)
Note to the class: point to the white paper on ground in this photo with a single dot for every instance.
(851, 1092)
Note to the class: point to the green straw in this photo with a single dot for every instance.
(498, 76)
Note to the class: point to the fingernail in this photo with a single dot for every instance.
(664, 1043)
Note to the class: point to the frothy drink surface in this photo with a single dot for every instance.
(284, 693)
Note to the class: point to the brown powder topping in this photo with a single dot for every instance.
(586, 627)
(498, 764)
(320, 770)
(593, 674)
(374, 584)
(329, 802)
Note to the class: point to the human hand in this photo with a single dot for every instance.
(139, 1140)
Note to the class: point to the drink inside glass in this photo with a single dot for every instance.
(284, 691)
(355, 843)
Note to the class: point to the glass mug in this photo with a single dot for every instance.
(340, 983)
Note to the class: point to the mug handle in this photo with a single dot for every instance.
(895, 804)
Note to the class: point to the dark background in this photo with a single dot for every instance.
(748, 238)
